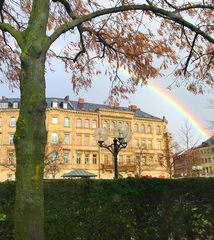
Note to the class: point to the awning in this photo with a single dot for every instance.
(79, 173)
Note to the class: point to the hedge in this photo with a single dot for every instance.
(125, 209)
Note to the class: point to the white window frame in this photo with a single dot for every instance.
(94, 124)
(54, 120)
(54, 104)
(79, 123)
(66, 138)
(78, 158)
(66, 122)
(10, 158)
(15, 104)
(94, 158)
(86, 123)
(54, 138)
(11, 139)
(12, 121)
(66, 158)
(65, 105)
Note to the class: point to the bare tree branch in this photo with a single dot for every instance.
(158, 11)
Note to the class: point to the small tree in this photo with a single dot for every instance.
(140, 160)
(166, 159)
(53, 159)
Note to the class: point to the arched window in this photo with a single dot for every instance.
(79, 123)
(149, 129)
(86, 123)
(105, 124)
(143, 128)
(67, 122)
(135, 128)
(158, 130)
(54, 138)
(12, 122)
(94, 124)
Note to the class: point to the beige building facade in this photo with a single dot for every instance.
(71, 145)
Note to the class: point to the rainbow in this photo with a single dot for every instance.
(179, 106)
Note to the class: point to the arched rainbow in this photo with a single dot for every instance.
(179, 106)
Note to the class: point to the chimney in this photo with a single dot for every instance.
(66, 98)
(81, 100)
(133, 106)
(116, 104)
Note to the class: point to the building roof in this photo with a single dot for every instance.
(84, 106)
(207, 143)
(79, 173)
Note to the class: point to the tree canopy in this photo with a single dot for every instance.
(145, 39)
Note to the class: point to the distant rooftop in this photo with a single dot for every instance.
(80, 105)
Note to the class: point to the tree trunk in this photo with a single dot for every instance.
(30, 141)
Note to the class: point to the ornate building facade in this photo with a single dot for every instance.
(71, 144)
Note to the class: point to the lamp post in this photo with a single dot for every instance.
(197, 169)
(122, 136)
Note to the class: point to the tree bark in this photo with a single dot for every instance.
(30, 141)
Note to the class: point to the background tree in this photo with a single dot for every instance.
(141, 162)
(187, 138)
(166, 159)
(116, 32)
(211, 106)
(53, 161)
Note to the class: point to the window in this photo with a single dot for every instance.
(65, 105)
(105, 124)
(143, 144)
(143, 128)
(67, 122)
(158, 130)
(105, 158)
(86, 123)
(15, 105)
(87, 158)
(9, 177)
(136, 143)
(3, 105)
(135, 128)
(78, 158)
(86, 140)
(113, 124)
(128, 159)
(94, 159)
(10, 158)
(12, 122)
(11, 137)
(54, 138)
(158, 145)
(79, 123)
(54, 120)
(149, 129)
(66, 138)
(54, 104)
(94, 124)
(79, 140)
(65, 157)
(150, 144)
(53, 157)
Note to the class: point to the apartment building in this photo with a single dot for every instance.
(198, 161)
(71, 145)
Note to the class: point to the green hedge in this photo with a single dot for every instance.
(137, 209)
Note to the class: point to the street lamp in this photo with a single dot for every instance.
(197, 169)
(122, 136)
